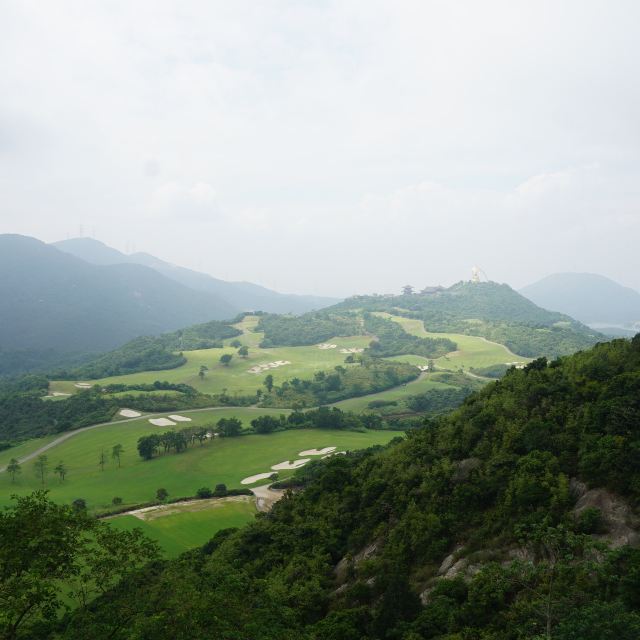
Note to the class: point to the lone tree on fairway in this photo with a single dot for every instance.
(102, 460)
(243, 351)
(162, 494)
(229, 427)
(236, 343)
(116, 452)
(61, 470)
(225, 359)
(14, 469)
(41, 466)
(117, 500)
(268, 383)
(203, 370)
(79, 504)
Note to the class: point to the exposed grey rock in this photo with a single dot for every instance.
(618, 517)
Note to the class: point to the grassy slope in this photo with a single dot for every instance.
(472, 351)
(222, 461)
(398, 393)
(185, 529)
(305, 361)
(24, 449)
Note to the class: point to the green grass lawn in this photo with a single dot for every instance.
(413, 388)
(184, 529)
(24, 449)
(472, 351)
(224, 460)
(236, 378)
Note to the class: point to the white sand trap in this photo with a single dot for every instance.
(129, 413)
(162, 422)
(258, 476)
(423, 367)
(317, 452)
(82, 385)
(296, 464)
(326, 345)
(335, 453)
(180, 418)
(260, 368)
(351, 350)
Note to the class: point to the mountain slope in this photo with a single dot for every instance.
(588, 297)
(241, 295)
(488, 309)
(60, 302)
(514, 517)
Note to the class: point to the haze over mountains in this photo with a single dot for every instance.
(593, 299)
(243, 296)
(59, 304)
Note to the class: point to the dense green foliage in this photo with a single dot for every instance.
(310, 328)
(52, 556)
(344, 382)
(487, 309)
(437, 401)
(392, 340)
(347, 557)
(155, 353)
(27, 414)
(494, 371)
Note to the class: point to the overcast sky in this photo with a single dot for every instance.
(329, 147)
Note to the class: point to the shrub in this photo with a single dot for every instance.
(204, 492)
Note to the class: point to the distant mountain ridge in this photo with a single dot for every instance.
(588, 297)
(244, 296)
(56, 303)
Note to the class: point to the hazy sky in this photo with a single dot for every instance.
(329, 147)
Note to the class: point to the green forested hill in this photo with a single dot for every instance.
(494, 311)
(491, 523)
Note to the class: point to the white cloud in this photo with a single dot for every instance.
(351, 145)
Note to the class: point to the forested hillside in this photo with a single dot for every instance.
(493, 311)
(58, 306)
(511, 518)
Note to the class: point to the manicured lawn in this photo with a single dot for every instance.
(236, 378)
(184, 529)
(472, 350)
(420, 385)
(223, 460)
(24, 449)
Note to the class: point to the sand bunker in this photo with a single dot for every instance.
(82, 385)
(129, 413)
(296, 464)
(351, 350)
(335, 453)
(423, 367)
(317, 452)
(162, 422)
(261, 368)
(57, 394)
(258, 476)
(180, 418)
(326, 345)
